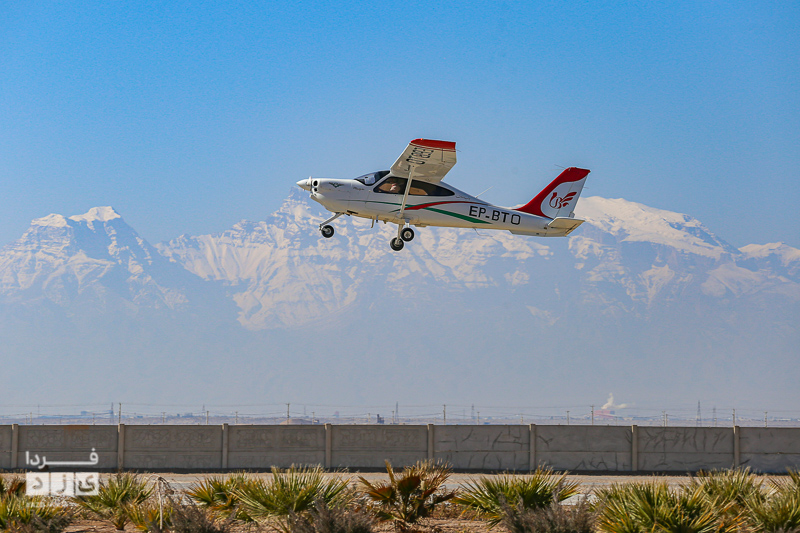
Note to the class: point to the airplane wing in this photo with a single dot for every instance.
(431, 160)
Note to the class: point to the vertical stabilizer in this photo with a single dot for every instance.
(559, 198)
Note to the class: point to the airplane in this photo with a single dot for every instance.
(412, 193)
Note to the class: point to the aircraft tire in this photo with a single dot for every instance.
(407, 234)
(396, 244)
(327, 231)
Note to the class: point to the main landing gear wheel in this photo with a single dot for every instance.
(407, 234)
(396, 244)
(327, 231)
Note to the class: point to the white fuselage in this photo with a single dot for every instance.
(380, 197)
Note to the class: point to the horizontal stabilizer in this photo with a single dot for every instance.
(568, 225)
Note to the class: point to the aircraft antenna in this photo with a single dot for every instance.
(487, 190)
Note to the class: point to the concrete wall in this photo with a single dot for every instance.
(584, 448)
(475, 448)
(370, 446)
(483, 447)
(259, 447)
(770, 449)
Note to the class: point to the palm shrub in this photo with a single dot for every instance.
(14, 486)
(410, 495)
(218, 494)
(18, 513)
(292, 491)
(490, 497)
(653, 506)
(738, 487)
(115, 498)
(780, 510)
(792, 484)
(778, 513)
(149, 515)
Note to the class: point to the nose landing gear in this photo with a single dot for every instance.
(326, 229)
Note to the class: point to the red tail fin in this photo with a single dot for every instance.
(558, 198)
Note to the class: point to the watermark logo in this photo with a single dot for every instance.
(62, 483)
(44, 463)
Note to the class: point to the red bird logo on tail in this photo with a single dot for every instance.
(557, 202)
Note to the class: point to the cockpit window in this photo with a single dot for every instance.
(372, 178)
(395, 185)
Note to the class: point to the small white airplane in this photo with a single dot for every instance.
(412, 193)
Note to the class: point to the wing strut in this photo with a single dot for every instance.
(408, 188)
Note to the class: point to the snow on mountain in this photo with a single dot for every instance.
(282, 273)
(774, 258)
(272, 308)
(633, 222)
(627, 257)
(60, 258)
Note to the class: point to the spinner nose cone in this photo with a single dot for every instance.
(305, 184)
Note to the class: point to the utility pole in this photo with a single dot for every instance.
(119, 415)
(237, 418)
(472, 414)
(734, 417)
(714, 415)
(765, 419)
(699, 419)
(287, 411)
(206, 417)
(592, 414)
(567, 417)
(163, 417)
(444, 414)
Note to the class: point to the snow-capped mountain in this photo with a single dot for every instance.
(281, 273)
(646, 299)
(60, 259)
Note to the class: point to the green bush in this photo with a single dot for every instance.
(218, 494)
(14, 486)
(291, 492)
(653, 506)
(779, 511)
(491, 496)
(410, 495)
(20, 513)
(149, 516)
(115, 498)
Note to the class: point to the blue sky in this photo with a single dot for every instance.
(189, 116)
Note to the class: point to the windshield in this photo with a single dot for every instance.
(372, 178)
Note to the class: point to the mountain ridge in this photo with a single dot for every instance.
(647, 303)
